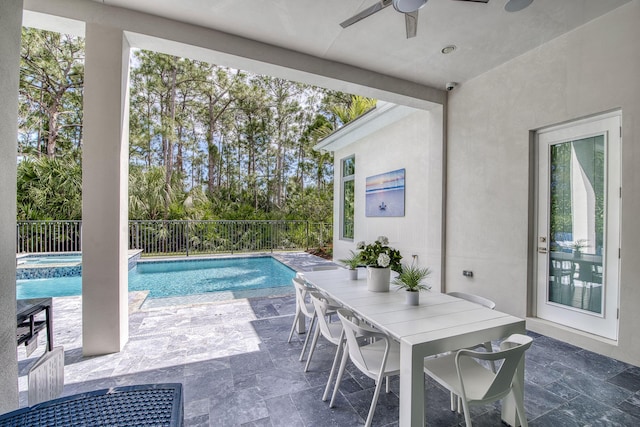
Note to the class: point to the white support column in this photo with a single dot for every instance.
(10, 33)
(105, 155)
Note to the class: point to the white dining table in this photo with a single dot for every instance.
(439, 324)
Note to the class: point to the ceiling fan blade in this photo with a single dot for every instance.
(476, 1)
(411, 22)
(377, 7)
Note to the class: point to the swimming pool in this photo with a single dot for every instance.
(26, 261)
(178, 278)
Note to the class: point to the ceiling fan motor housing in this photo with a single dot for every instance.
(408, 6)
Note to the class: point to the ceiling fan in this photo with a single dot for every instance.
(408, 7)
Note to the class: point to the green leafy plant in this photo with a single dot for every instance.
(379, 254)
(410, 278)
(579, 245)
(352, 261)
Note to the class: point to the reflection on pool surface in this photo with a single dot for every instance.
(178, 278)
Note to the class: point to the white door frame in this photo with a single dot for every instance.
(603, 324)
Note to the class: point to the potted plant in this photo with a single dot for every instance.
(578, 246)
(410, 279)
(379, 259)
(352, 262)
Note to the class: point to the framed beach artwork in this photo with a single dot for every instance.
(384, 194)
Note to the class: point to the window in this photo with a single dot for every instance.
(348, 197)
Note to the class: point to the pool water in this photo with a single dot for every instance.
(46, 260)
(178, 278)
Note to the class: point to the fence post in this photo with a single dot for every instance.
(187, 234)
(271, 237)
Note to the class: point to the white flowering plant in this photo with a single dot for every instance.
(379, 254)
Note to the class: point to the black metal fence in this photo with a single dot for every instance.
(49, 236)
(183, 237)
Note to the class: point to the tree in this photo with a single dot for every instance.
(51, 82)
(218, 92)
(340, 113)
(205, 141)
(149, 196)
(49, 189)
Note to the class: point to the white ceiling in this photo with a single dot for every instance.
(485, 34)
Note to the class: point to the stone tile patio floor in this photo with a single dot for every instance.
(237, 369)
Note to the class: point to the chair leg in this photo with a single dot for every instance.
(465, 410)
(454, 402)
(343, 364)
(374, 401)
(293, 327)
(386, 380)
(306, 340)
(316, 334)
(336, 358)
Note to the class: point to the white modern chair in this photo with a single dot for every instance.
(562, 271)
(474, 298)
(464, 376)
(485, 302)
(377, 360)
(303, 308)
(331, 331)
(325, 267)
(481, 301)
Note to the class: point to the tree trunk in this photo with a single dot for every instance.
(212, 168)
(220, 163)
(170, 133)
(211, 149)
(52, 138)
(148, 122)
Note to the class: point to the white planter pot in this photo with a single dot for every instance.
(353, 274)
(413, 298)
(378, 279)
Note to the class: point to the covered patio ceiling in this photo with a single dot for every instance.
(485, 35)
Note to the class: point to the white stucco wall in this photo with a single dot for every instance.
(593, 69)
(10, 18)
(415, 144)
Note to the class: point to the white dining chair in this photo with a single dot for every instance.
(485, 302)
(561, 271)
(377, 360)
(303, 308)
(462, 374)
(325, 267)
(331, 331)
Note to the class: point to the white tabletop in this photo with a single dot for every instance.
(413, 324)
(440, 323)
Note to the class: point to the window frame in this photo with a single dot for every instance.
(344, 179)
